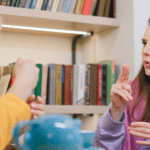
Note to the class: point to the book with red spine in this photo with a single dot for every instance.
(99, 84)
(87, 7)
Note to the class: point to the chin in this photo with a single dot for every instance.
(147, 72)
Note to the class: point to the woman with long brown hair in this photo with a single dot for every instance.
(126, 123)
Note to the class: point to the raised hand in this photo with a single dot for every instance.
(121, 91)
(120, 94)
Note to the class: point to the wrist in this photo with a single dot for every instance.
(20, 90)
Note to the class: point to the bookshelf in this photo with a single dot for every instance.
(44, 19)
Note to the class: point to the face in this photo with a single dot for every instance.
(146, 51)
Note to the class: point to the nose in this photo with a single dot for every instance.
(146, 50)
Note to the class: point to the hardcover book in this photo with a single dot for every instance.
(93, 7)
(63, 81)
(107, 10)
(87, 7)
(39, 4)
(55, 6)
(67, 6)
(104, 84)
(99, 84)
(49, 5)
(58, 84)
(93, 84)
(79, 6)
(61, 5)
(72, 6)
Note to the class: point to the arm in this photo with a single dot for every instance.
(109, 133)
(12, 110)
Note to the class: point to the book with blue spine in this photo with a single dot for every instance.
(33, 4)
(67, 6)
(44, 6)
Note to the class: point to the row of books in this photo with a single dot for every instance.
(105, 8)
(85, 84)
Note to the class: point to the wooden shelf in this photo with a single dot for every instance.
(66, 109)
(46, 19)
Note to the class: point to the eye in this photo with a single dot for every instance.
(144, 43)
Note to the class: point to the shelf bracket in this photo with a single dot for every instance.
(74, 42)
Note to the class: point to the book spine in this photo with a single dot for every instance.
(75, 84)
(104, 84)
(9, 2)
(58, 84)
(49, 5)
(86, 83)
(66, 86)
(44, 6)
(17, 3)
(63, 81)
(81, 87)
(44, 81)
(107, 10)
(39, 84)
(72, 6)
(53, 84)
(48, 86)
(4, 2)
(67, 6)
(71, 94)
(55, 6)
(93, 7)
(87, 7)
(99, 92)
(22, 3)
(88, 86)
(28, 3)
(79, 6)
(13, 3)
(93, 84)
(60, 6)
(33, 4)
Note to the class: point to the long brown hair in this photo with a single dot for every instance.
(143, 88)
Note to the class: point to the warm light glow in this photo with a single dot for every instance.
(46, 29)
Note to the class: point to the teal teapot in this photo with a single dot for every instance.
(49, 132)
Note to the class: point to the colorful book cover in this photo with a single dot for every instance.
(81, 86)
(99, 84)
(33, 4)
(110, 76)
(38, 88)
(44, 5)
(87, 7)
(67, 6)
(63, 81)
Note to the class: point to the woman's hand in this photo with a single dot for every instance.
(37, 107)
(140, 129)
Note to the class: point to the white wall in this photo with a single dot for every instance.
(141, 13)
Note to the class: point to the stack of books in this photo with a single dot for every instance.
(103, 8)
(83, 84)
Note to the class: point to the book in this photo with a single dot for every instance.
(33, 4)
(60, 6)
(49, 5)
(22, 3)
(81, 85)
(44, 5)
(55, 6)
(112, 13)
(79, 6)
(93, 7)
(75, 84)
(67, 85)
(87, 7)
(86, 83)
(39, 4)
(9, 2)
(99, 84)
(44, 82)
(104, 84)
(87, 101)
(71, 92)
(107, 9)
(63, 81)
(93, 84)
(52, 83)
(4, 2)
(101, 8)
(58, 84)
(13, 3)
(28, 3)
(17, 3)
(110, 76)
(67, 6)
(48, 86)
(37, 90)
(64, 4)
(72, 6)
(5, 79)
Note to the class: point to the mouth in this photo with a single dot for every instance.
(146, 64)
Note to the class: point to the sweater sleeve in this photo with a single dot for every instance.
(109, 133)
(12, 110)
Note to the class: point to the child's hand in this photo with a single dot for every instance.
(37, 107)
